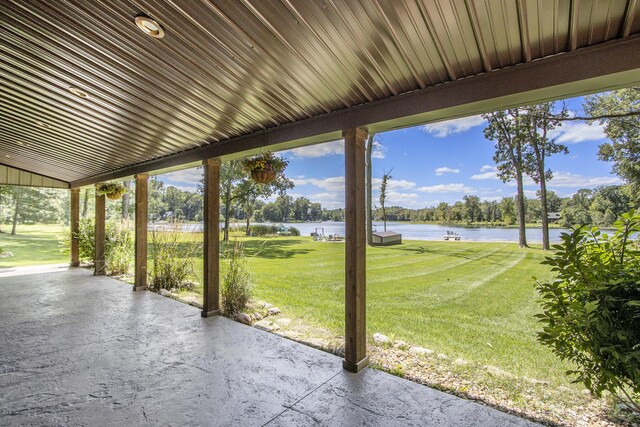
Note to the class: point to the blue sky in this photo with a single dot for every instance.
(439, 162)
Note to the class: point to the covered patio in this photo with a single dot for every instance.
(79, 349)
(100, 91)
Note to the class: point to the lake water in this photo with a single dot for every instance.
(436, 232)
(423, 231)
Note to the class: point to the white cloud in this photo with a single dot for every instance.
(185, 176)
(394, 184)
(573, 133)
(573, 180)
(485, 175)
(318, 150)
(378, 151)
(450, 127)
(334, 183)
(447, 188)
(491, 199)
(486, 172)
(328, 200)
(444, 169)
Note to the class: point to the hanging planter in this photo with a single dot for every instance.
(264, 167)
(113, 190)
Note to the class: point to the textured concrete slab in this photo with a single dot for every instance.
(82, 350)
(374, 398)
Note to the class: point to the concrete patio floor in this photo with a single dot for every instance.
(82, 350)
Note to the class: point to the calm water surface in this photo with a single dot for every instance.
(422, 231)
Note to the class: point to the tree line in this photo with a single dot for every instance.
(601, 206)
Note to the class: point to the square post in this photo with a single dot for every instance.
(142, 215)
(211, 273)
(355, 353)
(99, 235)
(75, 226)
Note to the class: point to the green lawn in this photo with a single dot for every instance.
(32, 244)
(467, 300)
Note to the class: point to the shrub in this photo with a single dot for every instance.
(294, 231)
(173, 254)
(591, 311)
(119, 244)
(264, 230)
(235, 289)
(118, 247)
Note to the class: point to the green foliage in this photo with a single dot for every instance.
(173, 254)
(264, 230)
(382, 198)
(624, 132)
(591, 311)
(113, 189)
(265, 162)
(235, 289)
(118, 247)
(34, 205)
(118, 244)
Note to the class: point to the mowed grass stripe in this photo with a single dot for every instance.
(428, 268)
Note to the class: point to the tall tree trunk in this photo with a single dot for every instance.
(126, 199)
(522, 239)
(544, 210)
(248, 216)
(16, 211)
(368, 154)
(227, 209)
(85, 203)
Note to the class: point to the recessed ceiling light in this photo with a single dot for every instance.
(78, 92)
(43, 125)
(149, 26)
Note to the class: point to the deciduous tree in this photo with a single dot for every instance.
(537, 123)
(623, 131)
(505, 128)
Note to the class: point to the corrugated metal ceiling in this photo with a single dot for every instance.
(230, 68)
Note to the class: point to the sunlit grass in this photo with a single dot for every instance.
(32, 245)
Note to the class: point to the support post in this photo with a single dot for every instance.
(355, 251)
(99, 235)
(142, 214)
(211, 274)
(75, 226)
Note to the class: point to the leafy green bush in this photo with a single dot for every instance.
(294, 231)
(235, 289)
(118, 246)
(264, 230)
(591, 311)
(173, 255)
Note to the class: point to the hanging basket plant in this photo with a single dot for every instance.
(264, 167)
(113, 190)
